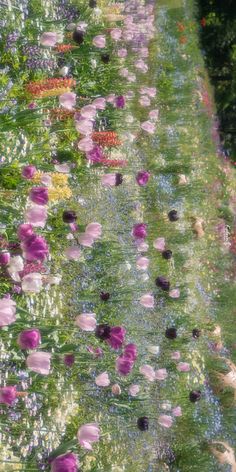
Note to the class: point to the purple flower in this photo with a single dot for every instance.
(25, 231)
(35, 248)
(139, 231)
(28, 172)
(69, 360)
(8, 395)
(29, 339)
(117, 336)
(39, 195)
(142, 177)
(65, 463)
(120, 101)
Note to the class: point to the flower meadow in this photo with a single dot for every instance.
(117, 242)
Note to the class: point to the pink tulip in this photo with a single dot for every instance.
(140, 65)
(39, 362)
(7, 312)
(142, 263)
(142, 246)
(131, 78)
(116, 34)
(122, 52)
(84, 126)
(36, 215)
(49, 39)
(86, 144)
(183, 367)
(94, 229)
(124, 72)
(88, 111)
(86, 240)
(73, 253)
(99, 41)
(174, 293)
(116, 390)
(159, 244)
(154, 115)
(144, 101)
(148, 126)
(177, 411)
(111, 98)
(161, 374)
(148, 372)
(165, 420)
(99, 103)
(102, 380)
(86, 321)
(32, 282)
(144, 52)
(88, 434)
(134, 390)
(62, 168)
(109, 180)
(175, 355)
(147, 300)
(68, 100)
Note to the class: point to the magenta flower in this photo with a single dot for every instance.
(139, 231)
(4, 258)
(95, 155)
(88, 434)
(124, 365)
(35, 248)
(120, 101)
(28, 172)
(24, 231)
(131, 351)
(29, 338)
(117, 336)
(65, 463)
(39, 195)
(8, 395)
(142, 177)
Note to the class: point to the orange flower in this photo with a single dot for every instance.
(50, 87)
(183, 40)
(180, 27)
(61, 114)
(64, 47)
(106, 138)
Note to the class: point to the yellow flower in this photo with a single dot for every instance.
(59, 193)
(59, 179)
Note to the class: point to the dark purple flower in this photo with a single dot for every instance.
(163, 283)
(29, 338)
(167, 254)
(124, 365)
(65, 463)
(69, 360)
(173, 215)
(120, 101)
(142, 423)
(195, 396)
(139, 231)
(171, 333)
(196, 333)
(8, 395)
(104, 296)
(28, 172)
(39, 195)
(103, 331)
(78, 36)
(119, 179)
(69, 216)
(35, 248)
(131, 351)
(25, 231)
(117, 336)
(4, 258)
(142, 177)
(32, 105)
